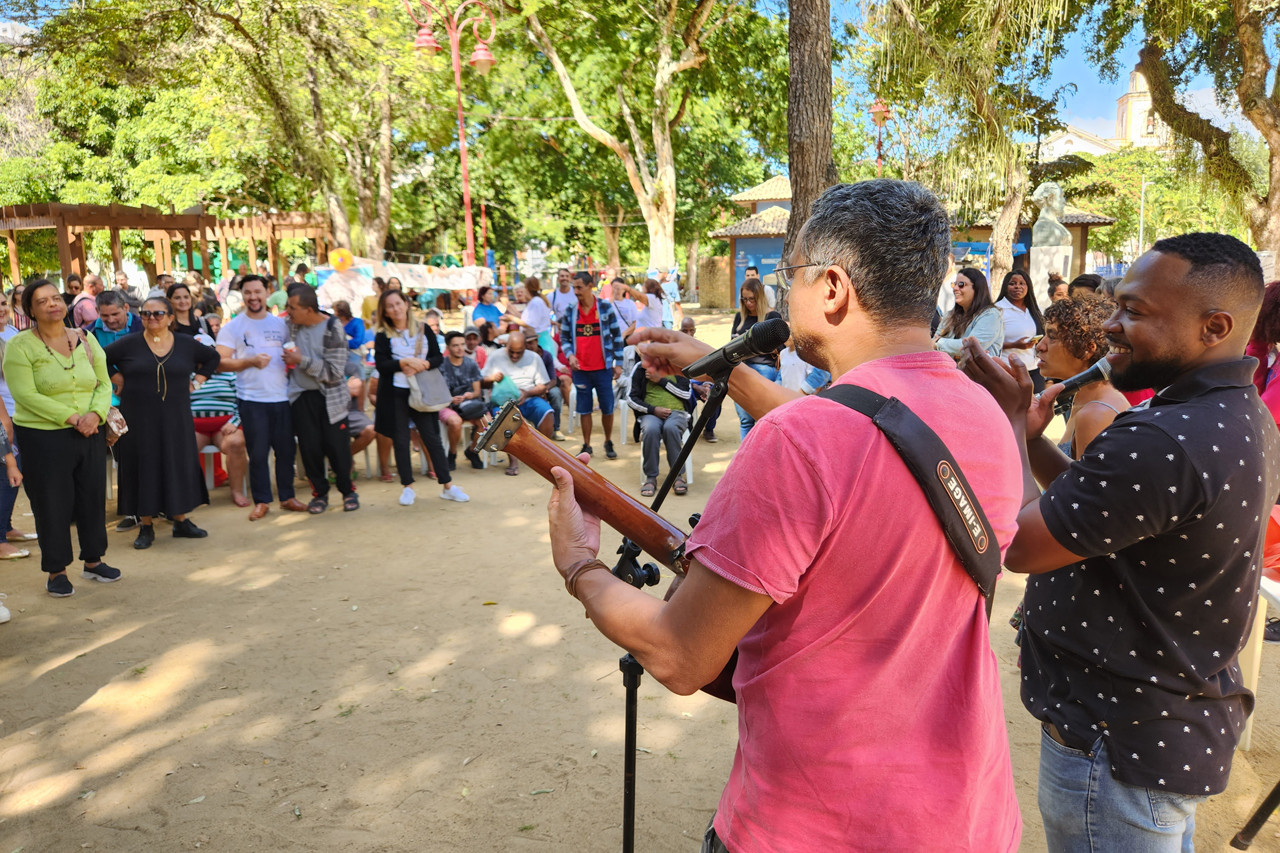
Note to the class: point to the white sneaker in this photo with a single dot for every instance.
(407, 497)
(4, 611)
(453, 493)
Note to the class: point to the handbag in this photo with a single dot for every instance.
(428, 390)
(115, 423)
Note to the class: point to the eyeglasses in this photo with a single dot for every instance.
(152, 315)
(784, 273)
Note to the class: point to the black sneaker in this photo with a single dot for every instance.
(453, 462)
(146, 535)
(586, 448)
(101, 573)
(1272, 632)
(59, 586)
(186, 529)
(127, 523)
(473, 457)
(710, 436)
(609, 451)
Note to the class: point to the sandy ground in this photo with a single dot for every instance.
(397, 679)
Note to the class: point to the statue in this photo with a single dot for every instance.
(1051, 244)
(1049, 230)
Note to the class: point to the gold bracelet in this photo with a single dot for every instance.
(577, 570)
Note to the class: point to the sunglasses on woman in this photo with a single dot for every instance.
(152, 315)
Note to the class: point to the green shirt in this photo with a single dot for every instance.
(278, 300)
(45, 392)
(658, 396)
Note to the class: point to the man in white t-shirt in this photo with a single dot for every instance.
(252, 344)
(562, 298)
(526, 370)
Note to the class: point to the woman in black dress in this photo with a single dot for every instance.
(186, 319)
(159, 469)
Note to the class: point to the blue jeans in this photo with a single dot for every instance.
(1087, 810)
(8, 497)
(769, 372)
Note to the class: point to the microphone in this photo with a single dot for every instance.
(763, 338)
(1100, 372)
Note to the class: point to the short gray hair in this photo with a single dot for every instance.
(892, 237)
(110, 297)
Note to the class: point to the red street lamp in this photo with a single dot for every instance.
(879, 114)
(481, 59)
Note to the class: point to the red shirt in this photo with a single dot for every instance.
(586, 338)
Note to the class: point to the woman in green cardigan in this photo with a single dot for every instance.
(58, 378)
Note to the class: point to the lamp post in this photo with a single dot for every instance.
(1142, 214)
(879, 115)
(481, 59)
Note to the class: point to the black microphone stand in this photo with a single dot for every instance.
(630, 570)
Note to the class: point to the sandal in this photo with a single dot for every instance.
(681, 487)
(388, 477)
(350, 503)
(317, 506)
(512, 471)
(648, 488)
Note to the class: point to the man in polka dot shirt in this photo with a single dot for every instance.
(1145, 554)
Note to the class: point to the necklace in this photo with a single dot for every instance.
(162, 379)
(71, 356)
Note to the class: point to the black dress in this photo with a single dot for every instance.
(159, 467)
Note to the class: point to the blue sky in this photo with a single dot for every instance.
(1092, 106)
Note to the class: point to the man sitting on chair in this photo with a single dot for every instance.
(664, 405)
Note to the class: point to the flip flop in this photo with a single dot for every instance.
(512, 471)
(21, 537)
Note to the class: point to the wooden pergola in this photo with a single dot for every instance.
(162, 230)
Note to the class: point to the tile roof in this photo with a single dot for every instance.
(771, 222)
(776, 188)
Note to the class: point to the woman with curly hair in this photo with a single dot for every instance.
(1264, 345)
(975, 315)
(1073, 340)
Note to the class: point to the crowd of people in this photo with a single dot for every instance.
(258, 371)
(1128, 642)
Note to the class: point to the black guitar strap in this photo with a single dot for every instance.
(962, 518)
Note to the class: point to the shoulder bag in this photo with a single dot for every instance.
(428, 390)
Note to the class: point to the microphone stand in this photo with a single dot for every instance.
(629, 569)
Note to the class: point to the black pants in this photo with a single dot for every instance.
(428, 424)
(268, 427)
(319, 440)
(66, 479)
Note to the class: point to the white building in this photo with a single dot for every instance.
(1136, 125)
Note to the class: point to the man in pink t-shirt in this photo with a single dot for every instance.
(869, 705)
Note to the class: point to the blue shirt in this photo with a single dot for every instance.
(105, 336)
(355, 333)
(488, 313)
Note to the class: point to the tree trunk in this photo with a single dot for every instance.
(339, 225)
(376, 225)
(1005, 227)
(691, 270)
(808, 111)
(610, 228)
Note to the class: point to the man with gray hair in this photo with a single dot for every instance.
(867, 691)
